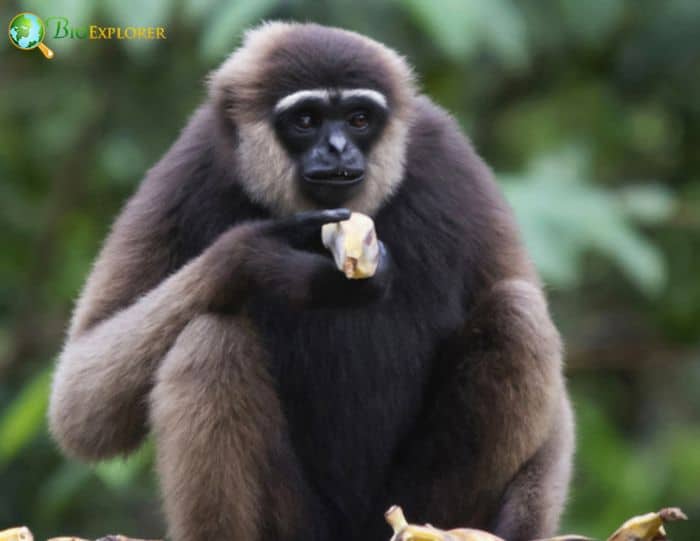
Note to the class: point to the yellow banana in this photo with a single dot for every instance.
(16, 534)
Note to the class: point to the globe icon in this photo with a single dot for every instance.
(27, 32)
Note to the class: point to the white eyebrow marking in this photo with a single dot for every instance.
(323, 94)
(295, 97)
(368, 93)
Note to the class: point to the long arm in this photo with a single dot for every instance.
(124, 325)
(132, 309)
(97, 404)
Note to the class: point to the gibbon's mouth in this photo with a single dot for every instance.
(339, 177)
(331, 188)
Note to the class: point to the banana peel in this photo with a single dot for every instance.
(647, 527)
(411, 532)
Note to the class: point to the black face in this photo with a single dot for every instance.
(330, 137)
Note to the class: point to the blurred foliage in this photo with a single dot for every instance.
(587, 111)
(585, 217)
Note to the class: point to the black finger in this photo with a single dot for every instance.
(316, 218)
(302, 226)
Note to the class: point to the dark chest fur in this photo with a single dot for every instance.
(352, 380)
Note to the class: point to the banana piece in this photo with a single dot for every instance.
(16, 534)
(411, 532)
(647, 527)
(354, 245)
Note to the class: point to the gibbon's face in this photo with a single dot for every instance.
(328, 134)
(321, 117)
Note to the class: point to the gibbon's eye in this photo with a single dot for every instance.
(304, 121)
(359, 120)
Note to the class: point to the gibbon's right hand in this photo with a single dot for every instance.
(271, 254)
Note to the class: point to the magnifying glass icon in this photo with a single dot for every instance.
(27, 32)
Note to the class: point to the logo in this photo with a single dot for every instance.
(27, 32)
(62, 28)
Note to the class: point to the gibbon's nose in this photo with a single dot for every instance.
(337, 142)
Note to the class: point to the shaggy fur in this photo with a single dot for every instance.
(251, 473)
(288, 402)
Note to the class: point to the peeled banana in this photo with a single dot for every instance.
(354, 245)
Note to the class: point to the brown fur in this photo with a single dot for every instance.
(222, 435)
(91, 421)
(125, 346)
(535, 497)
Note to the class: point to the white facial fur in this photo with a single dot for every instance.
(325, 95)
(292, 99)
(368, 93)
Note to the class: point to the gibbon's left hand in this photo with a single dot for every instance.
(330, 287)
(290, 262)
(285, 259)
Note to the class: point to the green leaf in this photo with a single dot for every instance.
(198, 10)
(652, 203)
(24, 418)
(137, 13)
(121, 158)
(77, 11)
(638, 258)
(592, 22)
(563, 216)
(119, 473)
(219, 37)
(60, 488)
(461, 27)
(124, 13)
(453, 25)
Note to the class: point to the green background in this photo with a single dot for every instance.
(589, 113)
